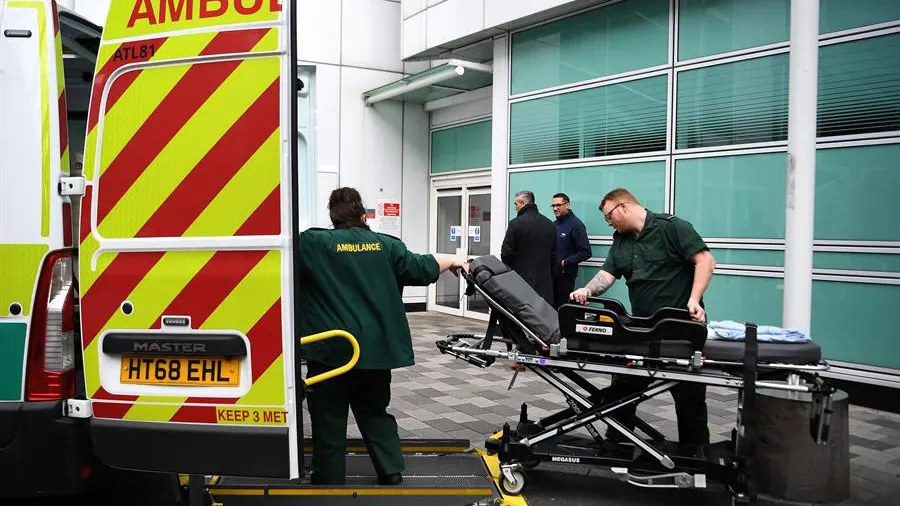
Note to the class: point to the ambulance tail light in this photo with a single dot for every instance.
(51, 350)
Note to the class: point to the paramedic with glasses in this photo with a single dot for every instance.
(352, 279)
(665, 263)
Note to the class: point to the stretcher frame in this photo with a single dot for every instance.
(654, 462)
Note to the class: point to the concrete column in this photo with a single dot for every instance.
(801, 183)
(500, 144)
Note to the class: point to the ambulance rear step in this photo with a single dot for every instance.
(437, 473)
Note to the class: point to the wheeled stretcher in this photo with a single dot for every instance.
(666, 349)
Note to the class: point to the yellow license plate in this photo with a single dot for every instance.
(183, 371)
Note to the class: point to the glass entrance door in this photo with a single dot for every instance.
(478, 242)
(460, 226)
(448, 210)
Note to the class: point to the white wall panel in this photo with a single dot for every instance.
(462, 112)
(453, 19)
(328, 120)
(500, 144)
(414, 206)
(415, 177)
(319, 31)
(413, 39)
(371, 35)
(497, 12)
(327, 181)
(371, 137)
(411, 7)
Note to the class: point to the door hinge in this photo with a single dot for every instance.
(77, 408)
(71, 186)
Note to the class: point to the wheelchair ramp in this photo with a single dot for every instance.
(437, 473)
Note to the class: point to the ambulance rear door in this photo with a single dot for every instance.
(37, 351)
(186, 238)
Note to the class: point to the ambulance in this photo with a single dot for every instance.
(42, 450)
(146, 298)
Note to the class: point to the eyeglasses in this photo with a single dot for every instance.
(609, 214)
(554, 206)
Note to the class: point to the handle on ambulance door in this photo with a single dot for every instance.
(321, 336)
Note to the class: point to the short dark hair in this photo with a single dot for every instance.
(618, 193)
(562, 196)
(526, 195)
(345, 208)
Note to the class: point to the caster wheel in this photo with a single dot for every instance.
(515, 487)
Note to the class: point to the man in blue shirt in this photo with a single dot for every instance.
(572, 248)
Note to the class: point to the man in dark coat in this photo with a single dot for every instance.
(529, 247)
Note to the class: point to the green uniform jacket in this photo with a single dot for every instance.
(352, 279)
(656, 263)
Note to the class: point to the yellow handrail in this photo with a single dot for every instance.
(328, 334)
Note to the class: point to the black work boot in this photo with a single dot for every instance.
(390, 479)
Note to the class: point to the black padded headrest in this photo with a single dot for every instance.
(486, 267)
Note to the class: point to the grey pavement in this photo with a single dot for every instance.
(443, 397)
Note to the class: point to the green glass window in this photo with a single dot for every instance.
(755, 257)
(859, 86)
(609, 120)
(619, 291)
(856, 193)
(733, 196)
(855, 322)
(856, 261)
(733, 103)
(599, 250)
(729, 297)
(460, 148)
(708, 27)
(839, 15)
(585, 186)
(624, 36)
(745, 299)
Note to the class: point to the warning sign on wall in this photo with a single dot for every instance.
(391, 209)
(387, 215)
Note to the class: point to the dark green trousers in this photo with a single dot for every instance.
(368, 394)
(690, 408)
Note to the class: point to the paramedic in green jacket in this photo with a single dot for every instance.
(352, 279)
(665, 263)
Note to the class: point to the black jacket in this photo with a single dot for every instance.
(529, 248)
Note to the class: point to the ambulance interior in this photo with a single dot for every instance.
(80, 43)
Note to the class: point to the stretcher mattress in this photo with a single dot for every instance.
(786, 353)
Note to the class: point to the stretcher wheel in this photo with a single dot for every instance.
(513, 488)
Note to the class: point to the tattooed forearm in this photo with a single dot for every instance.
(600, 283)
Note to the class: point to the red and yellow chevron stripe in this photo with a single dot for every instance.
(191, 148)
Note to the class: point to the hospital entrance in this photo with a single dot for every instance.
(460, 219)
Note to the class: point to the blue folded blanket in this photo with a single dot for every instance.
(734, 331)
